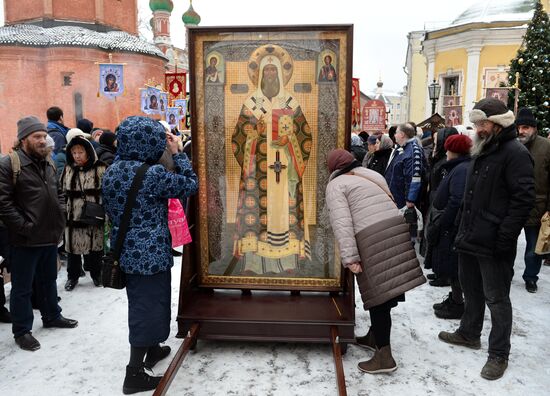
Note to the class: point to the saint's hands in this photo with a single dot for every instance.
(282, 141)
(355, 267)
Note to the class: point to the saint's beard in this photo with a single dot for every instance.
(270, 86)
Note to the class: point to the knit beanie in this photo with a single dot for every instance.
(107, 139)
(493, 110)
(526, 117)
(85, 125)
(459, 144)
(338, 159)
(28, 125)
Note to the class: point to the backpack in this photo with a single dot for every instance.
(16, 165)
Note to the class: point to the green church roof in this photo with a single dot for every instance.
(191, 17)
(161, 5)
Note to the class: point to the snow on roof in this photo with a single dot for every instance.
(74, 36)
(497, 11)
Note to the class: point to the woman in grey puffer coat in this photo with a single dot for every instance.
(374, 243)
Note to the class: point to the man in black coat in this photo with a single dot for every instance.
(32, 208)
(499, 194)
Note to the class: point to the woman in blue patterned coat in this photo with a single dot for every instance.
(146, 254)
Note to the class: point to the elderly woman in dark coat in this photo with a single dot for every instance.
(374, 243)
(442, 232)
(146, 254)
(81, 182)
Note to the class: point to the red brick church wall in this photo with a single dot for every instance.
(33, 80)
(120, 14)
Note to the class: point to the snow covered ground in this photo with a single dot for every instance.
(91, 359)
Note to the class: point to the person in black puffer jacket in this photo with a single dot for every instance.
(499, 194)
(442, 231)
(107, 147)
(378, 160)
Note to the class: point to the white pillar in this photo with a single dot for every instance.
(472, 79)
(431, 75)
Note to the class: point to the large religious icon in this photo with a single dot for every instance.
(495, 78)
(261, 143)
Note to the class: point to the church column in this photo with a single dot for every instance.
(48, 8)
(99, 12)
(430, 56)
(472, 78)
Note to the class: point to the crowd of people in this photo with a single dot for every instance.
(64, 191)
(460, 197)
(466, 201)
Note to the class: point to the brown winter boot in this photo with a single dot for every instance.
(381, 362)
(367, 341)
(494, 368)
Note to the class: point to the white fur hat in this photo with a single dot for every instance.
(493, 110)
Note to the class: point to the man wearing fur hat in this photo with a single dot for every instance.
(32, 208)
(499, 194)
(539, 148)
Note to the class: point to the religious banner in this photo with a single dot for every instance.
(374, 116)
(111, 79)
(453, 115)
(163, 102)
(495, 78)
(355, 106)
(500, 93)
(153, 97)
(263, 124)
(175, 84)
(143, 100)
(451, 100)
(173, 117)
(181, 104)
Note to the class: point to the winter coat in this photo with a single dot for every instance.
(58, 132)
(539, 148)
(379, 161)
(369, 229)
(34, 209)
(448, 199)
(405, 173)
(147, 246)
(82, 184)
(106, 154)
(60, 162)
(499, 194)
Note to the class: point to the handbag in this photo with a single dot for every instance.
(112, 275)
(542, 247)
(92, 214)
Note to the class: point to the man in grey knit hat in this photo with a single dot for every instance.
(32, 208)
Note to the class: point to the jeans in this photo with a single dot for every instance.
(27, 263)
(92, 263)
(533, 261)
(487, 281)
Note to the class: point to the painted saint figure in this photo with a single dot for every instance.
(272, 144)
(327, 72)
(212, 74)
(110, 83)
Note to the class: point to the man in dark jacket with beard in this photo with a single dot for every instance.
(539, 148)
(32, 208)
(499, 194)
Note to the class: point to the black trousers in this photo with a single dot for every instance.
(487, 281)
(92, 263)
(380, 318)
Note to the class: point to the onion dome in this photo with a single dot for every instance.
(191, 17)
(497, 11)
(161, 5)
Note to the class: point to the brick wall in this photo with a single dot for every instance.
(33, 80)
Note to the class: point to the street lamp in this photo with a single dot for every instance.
(434, 89)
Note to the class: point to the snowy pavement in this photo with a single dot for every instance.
(91, 359)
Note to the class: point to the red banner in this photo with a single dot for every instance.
(498, 93)
(355, 105)
(453, 116)
(175, 84)
(374, 115)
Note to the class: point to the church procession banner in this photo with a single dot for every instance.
(111, 79)
(500, 93)
(374, 116)
(452, 109)
(269, 103)
(176, 85)
(355, 105)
